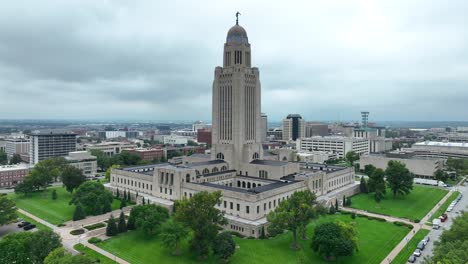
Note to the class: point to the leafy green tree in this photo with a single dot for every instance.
(102, 160)
(332, 209)
(369, 169)
(293, 214)
(440, 175)
(59, 256)
(336, 205)
(7, 210)
(90, 195)
(54, 194)
(111, 229)
(72, 177)
(3, 158)
(344, 201)
(224, 246)
(331, 240)
(377, 184)
(134, 213)
(15, 159)
(117, 194)
(172, 234)
(199, 213)
(363, 186)
(108, 171)
(107, 207)
(123, 203)
(25, 187)
(151, 218)
(351, 157)
(399, 178)
(122, 226)
(97, 209)
(79, 213)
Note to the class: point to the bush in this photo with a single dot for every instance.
(95, 226)
(94, 240)
(416, 220)
(353, 215)
(77, 232)
(61, 224)
(237, 234)
(376, 218)
(398, 223)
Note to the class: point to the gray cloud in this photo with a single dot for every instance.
(154, 60)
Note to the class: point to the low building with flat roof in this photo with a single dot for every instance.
(84, 161)
(11, 175)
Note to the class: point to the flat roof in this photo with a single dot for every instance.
(21, 166)
(442, 144)
(51, 133)
(203, 163)
(263, 188)
(269, 162)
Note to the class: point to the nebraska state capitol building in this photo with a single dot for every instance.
(251, 186)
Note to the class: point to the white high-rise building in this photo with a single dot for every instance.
(237, 133)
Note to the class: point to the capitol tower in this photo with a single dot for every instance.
(237, 104)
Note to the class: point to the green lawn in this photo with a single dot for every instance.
(412, 206)
(445, 205)
(408, 250)
(93, 254)
(41, 205)
(376, 240)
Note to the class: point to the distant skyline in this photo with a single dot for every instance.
(154, 60)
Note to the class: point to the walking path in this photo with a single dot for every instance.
(105, 253)
(386, 217)
(416, 228)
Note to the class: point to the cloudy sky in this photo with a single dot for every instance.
(154, 60)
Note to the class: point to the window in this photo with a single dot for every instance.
(238, 207)
(231, 205)
(220, 156)
(255, 156)
(223, 168)
(165, 190)
(269, 205)
(160, 189)
(206, 171)
(247, 209)
(225, 204)
(214, 170)
(170, 191)
(187, 178)
(264, 207)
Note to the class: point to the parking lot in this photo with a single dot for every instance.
(435, 233)
(12, 228)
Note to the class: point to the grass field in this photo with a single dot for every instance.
(445, 205)
(41, 205)
(408, 250)
(412, 206)
(93, 254)
(376, 240)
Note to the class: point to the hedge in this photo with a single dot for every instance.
(77, 232)
(95, 226)
(94, 240)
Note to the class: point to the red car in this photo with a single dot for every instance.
(443, 217)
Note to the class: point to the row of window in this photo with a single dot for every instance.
(134, 183)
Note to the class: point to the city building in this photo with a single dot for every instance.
(119, 134)
(420, 167)
(275, 133)
(149, 154)
(174, 140)
(436, 149)
(199, 125)
(110, 148)
(2, 145)
(334, 144)
(319, 157)
(293, 127)
(313, 129)
(84, 161)
(10, 175)
(264, 126)
(251, 186)
(376, 135)
(16, 146)
(48, 144)
(204, 136)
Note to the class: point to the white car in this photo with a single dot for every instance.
(417, 253)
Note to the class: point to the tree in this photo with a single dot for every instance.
(336, 205)
(151, 218)
(377, 184)
(3, 158)
(293, 214)
(107, 207)
(399, 178)
(123, 203)
(348, 201)
(109, 170)
(122, 226)
(199, 213)
(172, 234)
(7, 210)
(25, 187)
(117, 194)
(344, 201)
(90, 195)
(59, 256)
(111, 229)
(440, 175)
(72, 177)
(224, 246)
(54, 194)
(351, 157)
(363, 185)
(97, 209)
(134, 213)
(369, 169)
(79, 213)
(143, 201)
(101, 158)
(15, 159)
(332, 240)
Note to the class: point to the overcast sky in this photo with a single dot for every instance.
(154, 60)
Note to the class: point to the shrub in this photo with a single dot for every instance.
(79, 213)
(416, 220)
(77, 232)
(353, 215)
(237, 234)
(61, 224)
(95, 226)
(94, 240)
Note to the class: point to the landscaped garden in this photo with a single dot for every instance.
(410, 247)
(413, 206)
(43, 206)
(375, 239)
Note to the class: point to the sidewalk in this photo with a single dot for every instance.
(386, 217)
(402, 244)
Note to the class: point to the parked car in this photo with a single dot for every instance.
(29, 227)
(425, 240)
(443, 217)
(24, 223)
(421, 246)
(412, 259)
(417, 253)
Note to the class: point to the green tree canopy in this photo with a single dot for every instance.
(224, 246)
(15, 159)
(111, 229)
(199, 213)
(399, 178)
(91, 194)
(7, 210)
(151, 217)
(363, 185)
(172, 234)
(59, 256)
(72, 177)
(3, 158)
(376, 184)
(351, 157)
(369, 169)
(440, 175)
(108, 171)
(333, 239)
(122, 226)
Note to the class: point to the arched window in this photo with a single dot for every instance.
(206, 171)
(220, 156)
(254, 185)
(238, 184)
(255, 156)
(243, 184)
(223, 168)
(215, 169)
(197, 172)
(248, 185)
(285, 159)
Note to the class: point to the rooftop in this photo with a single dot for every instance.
(20, 166)
(442, 144)
(204, 163)
(263, 188)
(51, 133)
(269, 162)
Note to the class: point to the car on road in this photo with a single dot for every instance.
(412, 259)
(29, 227)
(23, 224)
(421, 246)
(417, 253)
(443, 217)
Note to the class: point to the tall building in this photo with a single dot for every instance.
(16, 146)
(50, 144)
(236, 103)
(293, 127)
(313, 129)
(264, 125)
(334, 144)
